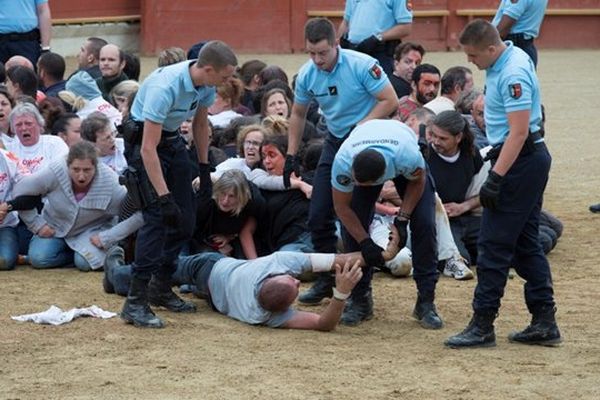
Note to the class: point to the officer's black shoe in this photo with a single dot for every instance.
(114, 257)
(358, 310)
(426, 313)
(136, 310)
(479, 333)
(595, 208)
(321, 289)
(542, 331)
(161, 294)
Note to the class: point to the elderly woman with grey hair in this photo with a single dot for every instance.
(78, 221)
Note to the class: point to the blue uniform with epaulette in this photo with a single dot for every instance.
(398, 145)
(19, 33)
(528, 15)
(509, 234)
(372, 17)
(345, 95)
(168, 97)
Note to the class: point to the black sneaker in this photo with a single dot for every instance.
(321, 289)
(357, 310)
(426, 314)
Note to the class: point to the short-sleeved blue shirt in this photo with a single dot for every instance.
(511, 84)
(234, 285)
(19, 16)
(370, 17)
(168, 96)
(346, 94)
(528, 15)
(393, 139)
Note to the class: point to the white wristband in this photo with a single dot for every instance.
(339, 295)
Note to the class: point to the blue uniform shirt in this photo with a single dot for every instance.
(168, 97)
(370, 17)
(346, 94)
(528, 14)
(511, 84)
(393, 139)
(19, 16)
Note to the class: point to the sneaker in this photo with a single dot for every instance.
(456, 267)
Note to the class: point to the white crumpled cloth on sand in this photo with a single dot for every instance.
(56, 316)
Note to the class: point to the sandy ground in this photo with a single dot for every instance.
(207, 356)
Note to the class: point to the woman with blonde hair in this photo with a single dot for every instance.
(122, 95)
(227, 99)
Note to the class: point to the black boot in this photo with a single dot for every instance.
(542, 330)
(161, 294)
(114, 257)
(321, 289)
(358, 309)
(136, 310)
(426, 313)
(479, 333)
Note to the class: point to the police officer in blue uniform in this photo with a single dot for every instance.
(512, 194)
(350, 88)
(519, 21)
(169, 96)
(376, 27)
(377, 151)
(25, 29)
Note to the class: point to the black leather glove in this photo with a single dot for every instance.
(369, 45)
(171, 214)
(490, 191)
(292, 164)
(372, 253)
(402, 227)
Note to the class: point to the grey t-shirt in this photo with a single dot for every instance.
(234, 285)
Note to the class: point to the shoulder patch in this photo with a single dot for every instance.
(515, 90)
(343, 180)
(375, 71)
(409, 5)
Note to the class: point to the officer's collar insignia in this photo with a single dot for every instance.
(375, 71)
(343, 180)
(515, 90)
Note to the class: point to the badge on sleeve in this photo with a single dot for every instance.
(375, 71)
(343, 180)
(515, 90)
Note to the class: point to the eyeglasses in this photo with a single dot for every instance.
(252, 143)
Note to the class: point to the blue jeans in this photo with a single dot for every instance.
(54, 252)
(302, 244)
(9, 248)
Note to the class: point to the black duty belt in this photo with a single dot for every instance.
(21, 36)
(529, 147)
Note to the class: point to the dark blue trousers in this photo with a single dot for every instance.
(321, 216)
(509, 237)
(423, 235)
(158, 246)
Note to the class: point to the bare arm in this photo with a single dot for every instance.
(247, 238)
(341, 204)
(518, 121)
(297, 121)
(505, 24)
(201, 132)
(457, 209)
(414, 190)
(150, 141)
(44, 24)
(346, 277)
(397, 32)
(342, 29)
(387, 103)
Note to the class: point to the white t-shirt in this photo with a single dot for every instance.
(10, 173)
(222, 119)
(34, 157)
(103, 106)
